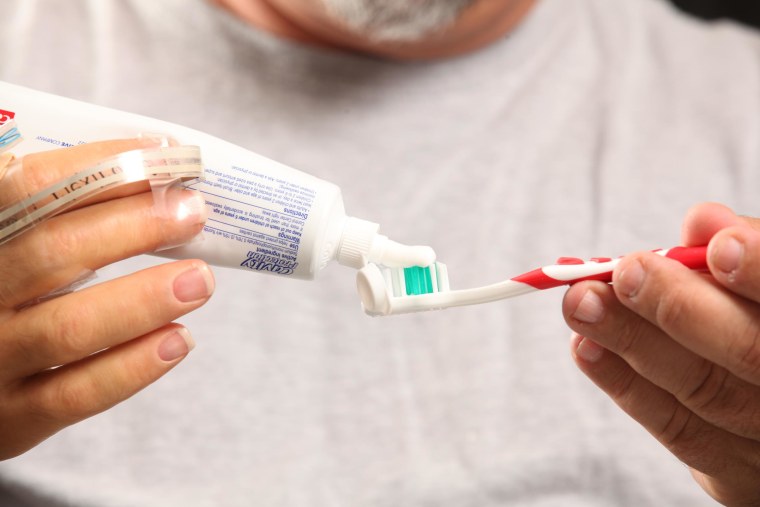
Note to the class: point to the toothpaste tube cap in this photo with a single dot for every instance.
(360, 244)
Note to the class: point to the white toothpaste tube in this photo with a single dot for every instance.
(263, 216)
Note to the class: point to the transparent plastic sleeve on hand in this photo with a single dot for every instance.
(174, 202)
(85, 277)
(26, 200)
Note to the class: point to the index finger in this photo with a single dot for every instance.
(37, 171)
(45, 168)
(733, 253)
(694, 310)
(705, 220)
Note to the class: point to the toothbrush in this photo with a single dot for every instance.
(392, 291)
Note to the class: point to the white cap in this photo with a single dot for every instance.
(360, 244)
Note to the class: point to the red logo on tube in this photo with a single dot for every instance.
(6, 116)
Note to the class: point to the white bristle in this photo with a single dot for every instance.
(442, 275)
(394, 280)
(433, 276)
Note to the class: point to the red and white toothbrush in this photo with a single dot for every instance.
(386, 291)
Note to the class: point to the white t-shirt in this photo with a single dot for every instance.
(589, 131)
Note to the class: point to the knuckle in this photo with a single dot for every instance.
(706, 389)
(676, 432)
(743, 416)
(685, 435)
(133, 377)
(671, 309)
(59, 244)
(628, 337)
(744, 353)
(37, 174)
(62, 403)
(68, 331)
(621, 385)
(72, 401)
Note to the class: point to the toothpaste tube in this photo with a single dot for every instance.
(263, 216)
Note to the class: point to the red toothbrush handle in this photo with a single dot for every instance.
(570, 270)
(693, 257)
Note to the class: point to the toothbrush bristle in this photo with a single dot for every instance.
(416, 280)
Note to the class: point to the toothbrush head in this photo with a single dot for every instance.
(381, 288)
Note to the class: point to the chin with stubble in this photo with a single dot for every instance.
(396, 20)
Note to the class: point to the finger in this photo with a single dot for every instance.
(708, 390)
(704, 220)
(736, 490)
(733, 256)
(37, 171)
(72, 327)
(46, 403)
(694, 310)
(725, 457)
(60, 250)
(45, 168)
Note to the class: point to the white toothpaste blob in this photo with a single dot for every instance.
(361, 244)
(395, 255)
(263, 216)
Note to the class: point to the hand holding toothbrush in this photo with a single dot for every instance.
(679, 351)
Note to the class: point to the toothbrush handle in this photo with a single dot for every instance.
(570, 270)
(693, 257)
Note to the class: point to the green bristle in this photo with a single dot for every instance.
(418, 281)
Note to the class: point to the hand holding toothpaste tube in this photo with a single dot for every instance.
(65, 358)
(679, 351)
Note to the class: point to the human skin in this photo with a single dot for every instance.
(679, 351)
(67, 358)
(307, 21)
(656, 348)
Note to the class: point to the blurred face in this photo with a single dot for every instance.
(396, 20)
(402, 29)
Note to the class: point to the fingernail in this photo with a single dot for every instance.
(630, 279)
(192, 207)
(194, 284)
(590, 309)
(587, 350)
(726, 255)
(176, 344)
(179, 204)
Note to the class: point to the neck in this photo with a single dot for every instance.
(482, 24)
